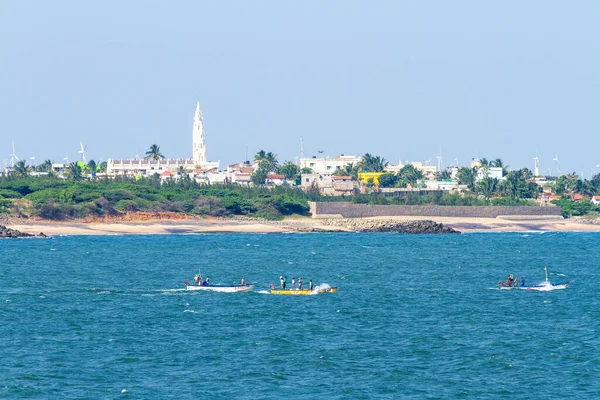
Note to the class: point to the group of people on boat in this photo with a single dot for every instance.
(512, 281)
(198, 280)
(283, 283)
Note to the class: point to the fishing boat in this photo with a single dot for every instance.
(221, 288)
(546, 285)
(302, 292)
(543, 287)
(205, 285)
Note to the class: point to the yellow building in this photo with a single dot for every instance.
(365, 176)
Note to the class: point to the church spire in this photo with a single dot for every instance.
(199, 147)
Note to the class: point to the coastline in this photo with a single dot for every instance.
(164, 225)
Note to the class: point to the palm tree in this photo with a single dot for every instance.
(290, 170)
(154, 152)
(466, 176)
(409, 175)
(20, 169)
(488, 186)
(370, 163)
(74, 169)
(102, 166)
(46, 166)
(92, 166)
(267, 161)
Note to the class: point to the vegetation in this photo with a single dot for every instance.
(80, 194)
(154, 152)
(54, 198)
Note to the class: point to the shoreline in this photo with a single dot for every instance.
(214, 225)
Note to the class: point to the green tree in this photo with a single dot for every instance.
(444, 175)
(307, 170)
(154, 152)
(518, 185)
(91, 166)
(290, 170)
(388, 180)
(46, 166)
(487, 186)
(347, 170)
(267, 161)
(409, 175)
(20, 169)
(566, 184)
(102, 167)
(75, 172)
(260, 176)
(467, 176)
(369, 163)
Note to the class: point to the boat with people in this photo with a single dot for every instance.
(205, 284)
(302, 292)
(511, 283)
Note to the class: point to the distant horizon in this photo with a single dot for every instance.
(394, 79)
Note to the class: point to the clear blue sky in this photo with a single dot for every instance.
(397, 79)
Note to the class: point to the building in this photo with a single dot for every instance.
(326, 165)
(365, 177)
(147, 166)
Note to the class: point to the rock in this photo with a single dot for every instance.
(359, 225)
(12, 233)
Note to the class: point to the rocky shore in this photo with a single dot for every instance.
(366, 225)
(13, 233)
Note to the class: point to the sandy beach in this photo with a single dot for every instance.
(202, 225)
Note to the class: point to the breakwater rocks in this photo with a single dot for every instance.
(361, 225)
(13, 233)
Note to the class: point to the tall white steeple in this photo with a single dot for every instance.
(199, 152)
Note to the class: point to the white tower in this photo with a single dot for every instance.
(199, 152)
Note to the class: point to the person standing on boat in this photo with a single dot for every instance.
(293, 283)
(281, 281)
(205, 283)
(284, 281)
(300, 283)
(197, 279)
(510, 280)
(243, 281)
(522, 282)
(310, 285)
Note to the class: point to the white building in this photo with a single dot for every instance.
(492, 172)
(146, 166)
(326, 165)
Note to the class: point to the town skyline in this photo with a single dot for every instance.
(395, 80)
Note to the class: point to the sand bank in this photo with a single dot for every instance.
(199, 225)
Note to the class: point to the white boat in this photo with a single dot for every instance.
(543, 287)
(221, 288)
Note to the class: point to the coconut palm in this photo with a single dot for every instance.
(102, 166)
(267, 161)
(467, 176)
(290, 170)
(409, 175)
(20, 169)
(46, 166)
(75, 171)
(370, 163)
(154, 152)
(92, 166)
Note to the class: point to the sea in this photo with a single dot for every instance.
(414, 317)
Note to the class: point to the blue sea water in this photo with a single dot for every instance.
(415, 316)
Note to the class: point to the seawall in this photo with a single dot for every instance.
(351, 210)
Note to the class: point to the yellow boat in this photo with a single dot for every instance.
(298, 292)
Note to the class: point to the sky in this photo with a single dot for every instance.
(397, 79)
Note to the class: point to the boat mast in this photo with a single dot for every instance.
(546, 269)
